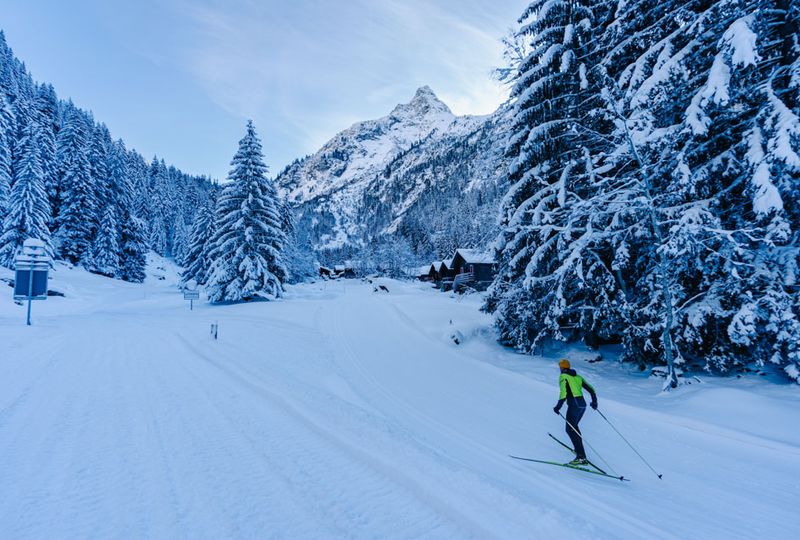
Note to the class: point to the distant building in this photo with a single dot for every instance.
(477, 269)
(423, 273)
(433, 271)
(338, 271)
(344, 271)
(446, 275)
(467, 268)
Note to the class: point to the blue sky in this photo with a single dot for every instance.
(178, 78)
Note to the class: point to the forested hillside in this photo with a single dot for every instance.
(92, 200)
(655, 182)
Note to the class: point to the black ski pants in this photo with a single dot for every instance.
(575, 410)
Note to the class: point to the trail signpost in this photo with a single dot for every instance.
(191, 293)
(31, 268)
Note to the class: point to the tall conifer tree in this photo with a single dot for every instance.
(247, 258)
(74, 231)
(28, 209)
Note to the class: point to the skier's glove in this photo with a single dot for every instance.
(557, 410)
(593, 404)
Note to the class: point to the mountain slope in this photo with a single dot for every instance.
(365, 181)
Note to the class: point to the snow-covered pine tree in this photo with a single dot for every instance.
(133, 230)
(767, 322)
(132, 245)
(180, 240)
(46, 114)
(688, 148)
(299, 251)
(159, 207)
(138, 176)
(78, 207)
(100, 145)
(28, 209)
(198, 256)
(7, 86)
(247, 255)
(105, 251)
(540, 287)
(6, 131)
(658, 217)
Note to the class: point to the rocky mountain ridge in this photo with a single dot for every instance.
(370, 178)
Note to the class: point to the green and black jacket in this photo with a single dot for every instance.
(571, 385)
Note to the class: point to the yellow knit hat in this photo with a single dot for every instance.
(563, 363)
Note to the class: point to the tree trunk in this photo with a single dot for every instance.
(663, 268)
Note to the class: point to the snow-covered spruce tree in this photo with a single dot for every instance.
(681, 235)
(6, 131)
(541, 283)
(180, 240)
(46, 114)
(100, 146)
(299, 252)
(160, 207)
(105, 251)
(247, 258)
(132, 245)
(28, 209)
(767, 323)
(78, 204)
(198, 256)
(396, 256)
(694, 151)
(671, 232)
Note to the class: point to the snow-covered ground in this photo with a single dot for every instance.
(344, 413)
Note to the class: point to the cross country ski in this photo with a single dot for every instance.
(568, 466)
(568, 447)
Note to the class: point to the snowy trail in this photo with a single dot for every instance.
(340, 413)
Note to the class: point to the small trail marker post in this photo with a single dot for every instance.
(31, 268)
(191, 293)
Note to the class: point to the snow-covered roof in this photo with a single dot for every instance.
(473, 256)
(422, 270)
(448, 263)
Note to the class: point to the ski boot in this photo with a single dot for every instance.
(578, 462)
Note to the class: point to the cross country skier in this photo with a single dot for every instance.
(571, 385)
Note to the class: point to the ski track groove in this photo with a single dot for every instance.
(363, 462)
(635, 526)
(135, 436)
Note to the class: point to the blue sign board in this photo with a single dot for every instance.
(24, 288)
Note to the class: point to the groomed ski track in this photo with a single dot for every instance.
(335, 413)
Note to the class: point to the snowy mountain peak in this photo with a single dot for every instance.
(390, 159)
(424, 103)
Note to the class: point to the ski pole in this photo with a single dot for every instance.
(589, 445)
(629, 444)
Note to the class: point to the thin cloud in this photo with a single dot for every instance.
(308, 69)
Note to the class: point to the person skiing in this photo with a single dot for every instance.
(571, 390)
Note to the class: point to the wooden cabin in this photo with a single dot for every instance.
(472, 268)
(446, 275)
(423, 273)
(433, 271)
(344, 271)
